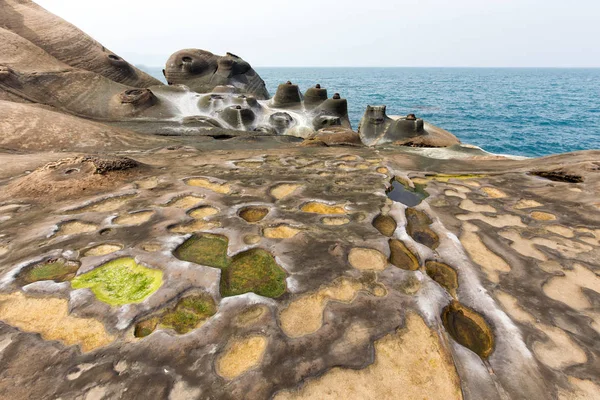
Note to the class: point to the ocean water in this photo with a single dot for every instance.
(525, 112)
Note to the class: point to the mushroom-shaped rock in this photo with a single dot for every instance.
(335, 107)
(203, 71)
(287, 96)
(314, 96)
(376, 128)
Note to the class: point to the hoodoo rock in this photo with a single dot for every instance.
(201, 240)
(202, 71)
(376, 128)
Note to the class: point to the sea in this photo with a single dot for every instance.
(527, 112)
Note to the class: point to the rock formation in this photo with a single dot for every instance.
(182, 245)
(376, 128)
(67, 43)
(202, 71)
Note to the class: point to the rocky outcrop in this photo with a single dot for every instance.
(376, 128)
(67, 43)
(202, 71)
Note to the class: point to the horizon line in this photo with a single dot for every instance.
(400, 66)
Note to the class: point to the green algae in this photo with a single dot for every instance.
(186, 316)
(255, 271)
(205, 249)
(57, 270)
(121, 281)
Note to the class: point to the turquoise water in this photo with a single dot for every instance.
(526, 112)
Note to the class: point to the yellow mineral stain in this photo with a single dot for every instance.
(221, 188)
(469, 205)
(102, 250)
(135, 218)
(499, 221)
(322, 208)
(335, 221)
(491, 263)
(240, 356)
(567, 288)
(147, 184)
(74, 227)
(542, 216)
(583, 390)
(282, 231)
(194, 226)
(305, 314)
(283, 190)
(184, 202)
(367, 259)
(561, 230)
(410, 364)
(559, 351)
(493, 192)
(50, 318)
(525, 203)
(203, 212)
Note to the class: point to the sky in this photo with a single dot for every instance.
(350, 33)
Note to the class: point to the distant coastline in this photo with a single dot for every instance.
(518, 111)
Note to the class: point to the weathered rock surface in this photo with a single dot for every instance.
(376, 128)
(222, 263)
(202, 71)
(67, 43)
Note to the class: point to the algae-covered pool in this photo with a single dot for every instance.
(121, 281)
(407, 195)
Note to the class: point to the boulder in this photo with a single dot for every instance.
(203, 71)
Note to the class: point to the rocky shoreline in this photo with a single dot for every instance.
(204, 240)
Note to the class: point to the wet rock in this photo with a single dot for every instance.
(253, 214)
(469, 329)
(385, 224)
(401, 256)
(187, 314)
(57, 270)
(281, 122)
(121, 281)
(418, 228)
(376, 128)
(238, 117)
(254, 271)
(205, 249)
(444, 275)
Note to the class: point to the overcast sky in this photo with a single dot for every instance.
(472, 33)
